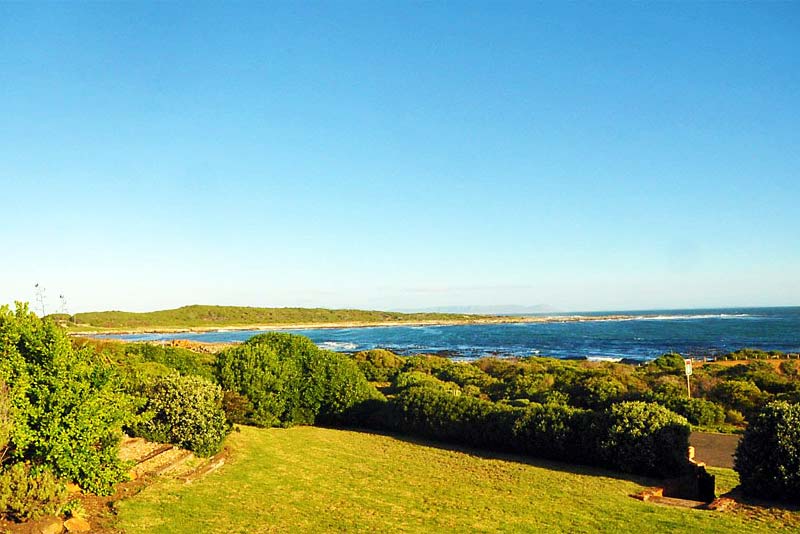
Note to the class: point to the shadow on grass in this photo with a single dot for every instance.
(553, 465)
(751, 505)
(752, 502)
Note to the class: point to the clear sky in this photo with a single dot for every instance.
(400, 154)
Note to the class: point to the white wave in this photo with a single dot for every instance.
(691, 317)
(337, 345)
(603, 359)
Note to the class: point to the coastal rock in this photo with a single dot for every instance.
(77, 524)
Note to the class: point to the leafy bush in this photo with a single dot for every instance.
(289, 380)
(699, 412)
(740, 395)
(409, 379)
(186, 411)
(555, 431)
(28, 494)
(644, 438)
(768, 456)
(378, 365)
(67, 407)
(437, 414)
(670, 363)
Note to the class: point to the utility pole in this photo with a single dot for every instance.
(40, 298)
(687, 362)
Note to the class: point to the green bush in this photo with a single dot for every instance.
(288, 380)
(29, 494)
(438, 414)
(768, 456)
(700, 412)
(186, 411)
(378, 365)
(644, 438)
(739, 395)
(410, 379)
(670, 363)
(554, 431)
(67, 408)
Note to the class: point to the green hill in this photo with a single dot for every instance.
(198, 316)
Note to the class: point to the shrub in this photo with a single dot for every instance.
(28, 494)
(437, 414)
(768, 456)
(671, 363)
(699, 412)
(67, 407)
(186, 411)
(553, 431)
(740, 395)
(289, 380)
(598, 391)
(411, 379)
(644, 438)
(378, 365)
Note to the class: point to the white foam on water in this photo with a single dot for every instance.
(691, 317)
(337, 345)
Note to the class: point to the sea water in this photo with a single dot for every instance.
(643, 336)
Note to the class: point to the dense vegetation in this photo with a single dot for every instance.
(213, 316)
(61, 416)
(768, 457)
(287, 380)
(64, 404)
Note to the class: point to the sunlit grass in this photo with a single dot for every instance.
(309, 479)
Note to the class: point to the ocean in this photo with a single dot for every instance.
(644, 336)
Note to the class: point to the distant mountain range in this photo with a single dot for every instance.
(507, 309)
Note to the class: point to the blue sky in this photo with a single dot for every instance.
(401, 154)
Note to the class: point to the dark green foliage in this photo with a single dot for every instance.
(29, 494)
(67, 408)
(378, 365)
(670, 363)
(634, 437)
(186, 411)
(699, 412)
(740, 395)
(237, 407)
(555, 431)
(437, 414)
(409, 379)
(644, 438)
(768, 456)
(288, 380)
(598, 391)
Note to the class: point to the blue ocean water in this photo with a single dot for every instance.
(645, 336)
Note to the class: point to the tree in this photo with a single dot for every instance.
(66, 407)
(768, 456)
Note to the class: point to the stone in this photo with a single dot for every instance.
(50, 525)
(77, 524)
(721, 504)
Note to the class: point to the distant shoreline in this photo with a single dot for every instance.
(353, 324)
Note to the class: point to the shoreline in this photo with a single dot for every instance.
(377, 324)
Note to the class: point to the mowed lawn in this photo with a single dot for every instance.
(308, 479)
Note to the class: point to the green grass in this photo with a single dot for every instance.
(220, 316)
(308, 479)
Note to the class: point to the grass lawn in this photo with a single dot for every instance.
(308, 479)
